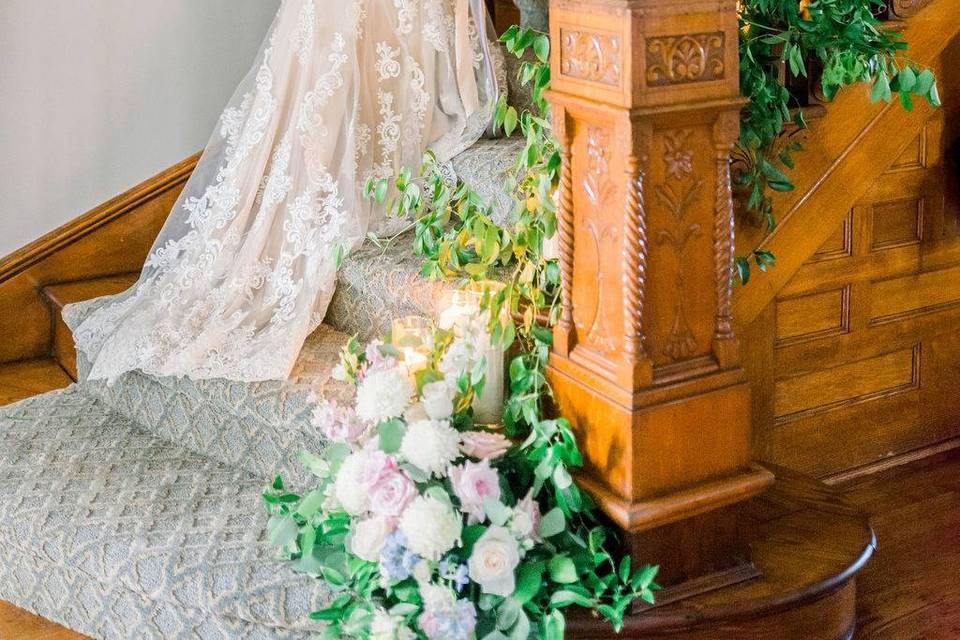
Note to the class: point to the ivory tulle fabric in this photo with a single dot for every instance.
(245, 266)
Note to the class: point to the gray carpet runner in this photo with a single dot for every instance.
(133, 510)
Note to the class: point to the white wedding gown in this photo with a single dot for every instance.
(245, 266)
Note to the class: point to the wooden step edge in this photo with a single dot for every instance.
(61, 294)
(808, 543)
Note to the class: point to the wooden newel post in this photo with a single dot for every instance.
(646, 104)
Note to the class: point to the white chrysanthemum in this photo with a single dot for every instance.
(383, 394)
(431, 445)
(351, 493)
(431, 527)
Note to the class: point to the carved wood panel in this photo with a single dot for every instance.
(846, 364)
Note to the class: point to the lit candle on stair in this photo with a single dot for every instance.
(463, 307)
(412, 335)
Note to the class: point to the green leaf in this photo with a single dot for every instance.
(529, 581)
(311, 504)
(933, 97)
(563, 570)
(510, 121)
(881, 88)
(541, 47)
(391, 435)
(554, 626)
(553, 523)
(278, 483)
(925, 82)
(496, 511)
(281, 531)
(907, 79)
(565, 598)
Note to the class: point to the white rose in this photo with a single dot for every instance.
(383, 394)
(495, 557)
(431, 446)
(368, 538)
(431, 527)
(348, 487)
(458, 359)
(437, 399)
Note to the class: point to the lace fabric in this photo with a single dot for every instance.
(245, 266)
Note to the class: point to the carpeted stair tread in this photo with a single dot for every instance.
(110, 516)
(261, 427)
(379, 283)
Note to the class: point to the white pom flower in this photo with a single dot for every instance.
(431, 446)
(383, 394)
(349, 489)
(431, 527)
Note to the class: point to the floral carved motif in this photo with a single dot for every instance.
(598, 188)
(594, 57)
(698, 57)
(679, 191)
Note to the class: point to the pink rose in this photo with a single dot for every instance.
(337, 423)
(484, 445)
(376, 466)
(391, 494)
(473, 482)
(526, 518)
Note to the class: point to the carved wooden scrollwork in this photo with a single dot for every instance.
(680, 59)
(594, 57)
(678, 193)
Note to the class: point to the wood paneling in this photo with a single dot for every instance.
(113, 238)
(897, 223)
(813, 316)
(854, 363)
(928, 292)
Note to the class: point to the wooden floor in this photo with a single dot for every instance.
(909, 591)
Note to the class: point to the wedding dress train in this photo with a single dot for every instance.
(245, 265)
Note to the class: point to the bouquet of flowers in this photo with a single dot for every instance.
(428, 525)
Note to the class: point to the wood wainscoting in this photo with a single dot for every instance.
(856, 360)
(112, 239)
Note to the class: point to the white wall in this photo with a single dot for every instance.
(98, 95)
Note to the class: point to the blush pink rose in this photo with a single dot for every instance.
(390, 495)
(377, 465)
(484, 445)
(337, 423)
(525, 523)
(473, 482)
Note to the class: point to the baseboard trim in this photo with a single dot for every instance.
(893, 461)
(84, 225)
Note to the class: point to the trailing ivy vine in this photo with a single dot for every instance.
(850, 44)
